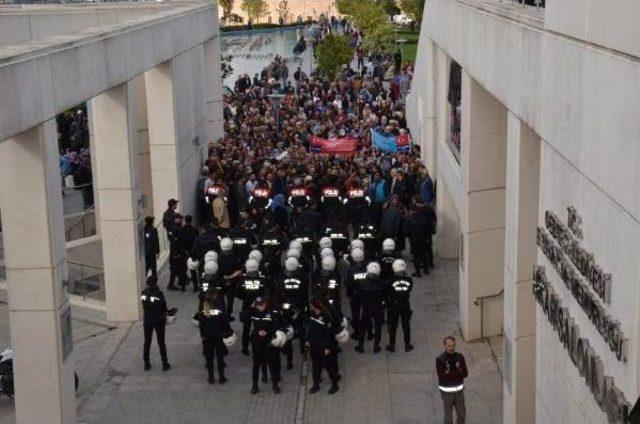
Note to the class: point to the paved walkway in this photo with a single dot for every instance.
(382, 388)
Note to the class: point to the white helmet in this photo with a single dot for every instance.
(226, 244)
(343, 336)
(256, 255)
(328, 263)
(326, 252)
(357, 255)
(325, 242)
(291, 264)
(399, 266)
(211, 268)
(280, 339)
(373, 268)
(388, 245)
(295, 244)
(211, 255)
(251, 265)
(192, 265)
(293, 253)
(356, 244)
(231, 340)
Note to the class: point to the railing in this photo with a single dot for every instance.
(82, 222)
(535, 3)
(479, 301)
(86, 281)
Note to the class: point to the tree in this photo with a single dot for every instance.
(332, 53)
(255, 9)
(413, 9)
(283, 10)
(371, 18)
(390, 7)
(227, 7)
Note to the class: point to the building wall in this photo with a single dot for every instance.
(572, 75)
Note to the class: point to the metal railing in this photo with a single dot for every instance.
(86, 281)
(479, 301)
(82, 222)
(535, 3)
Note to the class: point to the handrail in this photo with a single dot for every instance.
(80, 221)
(86, 265)
(480, 301)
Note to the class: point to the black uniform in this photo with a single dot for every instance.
(212, 283)
(331, 202)
(321, 331)
(357, 204)
(151, 250)
(371, 239)
(327, 285)
(299, 198)
(355, 278)
(373, 297)
(177, 260)
(272, 244)
(399, 306)
(214, 326)
(292, 290)
(339, 235)
(264, 353)
(189, 235)
(243, 240)
(204, 243)
(250, 287)
(228, 264)
(154, 307)
(386, 266)
(420, 226)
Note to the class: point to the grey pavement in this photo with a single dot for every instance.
(382, 388)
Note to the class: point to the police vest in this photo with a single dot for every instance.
(292, 284)
(260, 198)
(401, 286)
(251, 284)
(212, 313)
(149, 299)
(330, 195)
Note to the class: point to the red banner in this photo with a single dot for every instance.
(334, 146)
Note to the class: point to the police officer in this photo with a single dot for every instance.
(154, 308)
(338, 232)
(373, 297)
(189, 235)
(371, 239)
(424, 218)
(293, 295)
(214, 327)
(327, 284)
(177, 264)
(210, 281)
(258, 204)
(264, 326)
(321, 328)
(272, 243)
(357, 204)
(230, 269)
(252, 285)
(387, 258)
(399, 306)
(243, 238)
(151, 247)
(206, 242)
(305, 237)
(331, 201)
(299, 196)
(354, 281)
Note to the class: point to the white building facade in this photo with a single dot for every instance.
(529, 120)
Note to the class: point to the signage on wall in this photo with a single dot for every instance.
(578, 270)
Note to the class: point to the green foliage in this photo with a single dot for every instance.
(371, 18)
(332, 54)
(255, 9)
(413, 9)
(227, 7)
(390, 7)
(283, 10)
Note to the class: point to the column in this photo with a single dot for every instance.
(448, 227)
(429, 141)
(483, 169)
(522, 198)
(442, 106)
(112, 120)
(35, 258)
(162, 136)
(214, 124)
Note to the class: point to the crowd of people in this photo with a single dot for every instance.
(287, 236)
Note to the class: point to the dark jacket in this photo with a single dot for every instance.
(154, 305)
(320, 331)
(204, 243)
(419, 225)
(391, 223)
(188, 237)
(168, 218)
(452, 369)
(151, 241)
(214, 324)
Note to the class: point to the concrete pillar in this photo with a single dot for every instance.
(448, 230)
(522, 199)
(112, 117)
(442, 107)
(483, 166)
(214, 126)
(429, 141)
(35, 259)
(142, 146)
(162, 136)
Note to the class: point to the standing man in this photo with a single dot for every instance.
(189, 235)
(151, 247)
(452, 370)
(169, 216)
(177, 261)
(154, 319)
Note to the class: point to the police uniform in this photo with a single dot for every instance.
(151, 249)
(228, 264)
(331, 202)
(243, 242)
(293, 295)
(214, 326)
(177, 261)
(299, 197)
(399, 306)
(357, 204)
(355, 278)
(264, 353)
(250, 287)
(371, 239)
(272, 244)
(321, 331)
(386, 265)
(339, 235)
(154, 318)
(327, 285)
(373, 297)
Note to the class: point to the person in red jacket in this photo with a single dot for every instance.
(452, 370)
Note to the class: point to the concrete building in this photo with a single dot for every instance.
(150, 73)
(528, 118)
